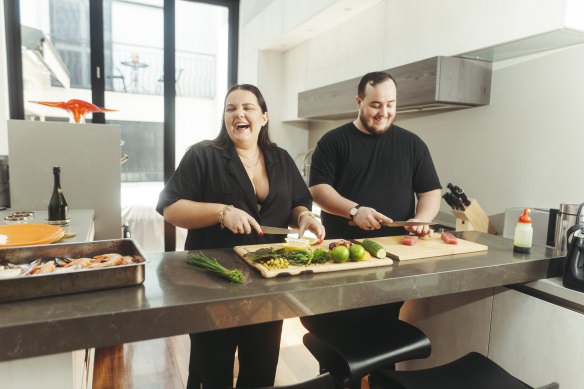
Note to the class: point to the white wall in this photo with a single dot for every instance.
(518, 151)
(3, 86)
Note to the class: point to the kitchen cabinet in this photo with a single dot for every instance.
(436, 83)
(534, 330)
(537, 341)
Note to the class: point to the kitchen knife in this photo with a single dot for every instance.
(278, 230)
(401, 223)
(407, 223)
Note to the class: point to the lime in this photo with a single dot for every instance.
(356, 252)
(340, 254)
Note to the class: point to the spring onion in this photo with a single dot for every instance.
(200, 262)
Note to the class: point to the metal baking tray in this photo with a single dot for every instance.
(52, 284)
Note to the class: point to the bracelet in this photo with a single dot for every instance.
(222, 214)
(305, 213)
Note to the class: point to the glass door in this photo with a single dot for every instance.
(201, 32)
(55, 55)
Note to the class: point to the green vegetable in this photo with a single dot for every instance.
(263, 254)
(320, 256)
(300, 257)
(374, 248)
(210, 265)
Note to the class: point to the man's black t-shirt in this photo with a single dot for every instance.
(379, 171)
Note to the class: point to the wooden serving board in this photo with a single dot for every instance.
(317, 268)
(426, 247)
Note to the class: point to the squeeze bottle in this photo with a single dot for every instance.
(523, 233)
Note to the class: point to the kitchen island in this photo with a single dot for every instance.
(175, 300)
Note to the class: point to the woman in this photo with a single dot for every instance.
(222, 191)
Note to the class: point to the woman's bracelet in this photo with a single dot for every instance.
(305, 213)
(222, 214)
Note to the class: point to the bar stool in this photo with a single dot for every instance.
(350, 355)
(471, 371)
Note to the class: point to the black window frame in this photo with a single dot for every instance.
(15, 81)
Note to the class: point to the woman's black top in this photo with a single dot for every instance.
(211, 175)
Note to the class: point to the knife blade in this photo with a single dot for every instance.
(278, 230)
(401, 223)
(407, 223)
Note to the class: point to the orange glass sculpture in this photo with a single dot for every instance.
(76, 108)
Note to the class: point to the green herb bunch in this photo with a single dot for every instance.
(320, 256)
(210, 265)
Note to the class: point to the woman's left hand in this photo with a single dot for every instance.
(310, 223)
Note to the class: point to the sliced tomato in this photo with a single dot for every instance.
(449, 238)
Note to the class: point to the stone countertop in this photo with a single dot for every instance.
(175, 300)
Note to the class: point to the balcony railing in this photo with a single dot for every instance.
(140, 70)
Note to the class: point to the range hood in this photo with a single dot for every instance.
(437, 83)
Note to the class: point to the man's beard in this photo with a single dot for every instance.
(373, 131)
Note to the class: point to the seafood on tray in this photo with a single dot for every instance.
(65, 264)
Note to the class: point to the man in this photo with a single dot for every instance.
(365, 173)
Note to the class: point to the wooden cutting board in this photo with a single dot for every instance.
(317, 268)
(426, 247)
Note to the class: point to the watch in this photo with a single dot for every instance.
(353, 211)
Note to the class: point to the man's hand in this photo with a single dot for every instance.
(369, 219)
(419, 230)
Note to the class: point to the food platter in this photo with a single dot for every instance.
(51, 284)
(291, 270)
(29, 234)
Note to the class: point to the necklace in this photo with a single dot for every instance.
(245, 164)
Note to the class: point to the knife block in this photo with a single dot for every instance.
(473, 218)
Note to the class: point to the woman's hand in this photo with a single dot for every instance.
(310, 223)
(240, 222)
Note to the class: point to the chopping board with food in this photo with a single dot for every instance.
(405, 247)
(298, 256)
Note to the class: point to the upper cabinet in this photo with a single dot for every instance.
(430, 84)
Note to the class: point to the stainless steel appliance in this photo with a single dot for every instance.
(566, 218)
(4, 187)
(574, 270)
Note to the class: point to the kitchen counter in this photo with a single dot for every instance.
(81, 223)
(174, 300)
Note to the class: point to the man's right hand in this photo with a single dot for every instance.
(369, 219)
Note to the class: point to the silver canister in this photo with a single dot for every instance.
(567, 216)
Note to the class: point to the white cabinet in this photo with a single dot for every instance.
(60, 371)
(537, 341)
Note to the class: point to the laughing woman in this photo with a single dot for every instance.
(221, 192)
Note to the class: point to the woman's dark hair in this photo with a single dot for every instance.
(223, 141)
(373, 79)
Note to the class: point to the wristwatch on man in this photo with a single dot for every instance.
(353, 211)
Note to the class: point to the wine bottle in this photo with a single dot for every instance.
(57, 205)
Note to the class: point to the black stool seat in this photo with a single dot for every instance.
(350, 355)
(471, 371)
(323, 381)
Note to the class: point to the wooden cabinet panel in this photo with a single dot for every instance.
(433, 83)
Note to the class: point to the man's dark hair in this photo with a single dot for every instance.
(373, 79)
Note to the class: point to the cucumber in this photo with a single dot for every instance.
(373, 248)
